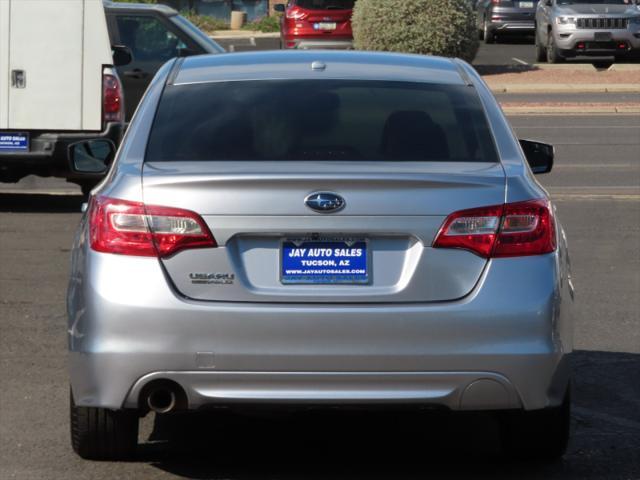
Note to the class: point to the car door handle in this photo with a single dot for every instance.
(136, 73)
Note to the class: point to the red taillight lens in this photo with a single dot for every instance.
(528, 228)
(132, 228)
(111, 98)
(511, 230)
(295, 13)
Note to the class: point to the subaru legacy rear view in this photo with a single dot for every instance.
(332, 229)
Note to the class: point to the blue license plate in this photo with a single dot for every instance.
(324, 262)
(14, 142)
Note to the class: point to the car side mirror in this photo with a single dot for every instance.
(539, 155)
(121, 55)
(279, 7)
(91, 157)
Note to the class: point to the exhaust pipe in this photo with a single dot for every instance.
(161, 400)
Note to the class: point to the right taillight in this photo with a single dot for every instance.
(510, 230)
(111, 98)
(133, 228)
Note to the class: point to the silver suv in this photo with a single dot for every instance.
(565, 29)
(319, 228)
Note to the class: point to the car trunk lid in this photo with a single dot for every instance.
(392, 212)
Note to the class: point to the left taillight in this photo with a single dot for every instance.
(133, 228)
(112, 103)
(509, 230)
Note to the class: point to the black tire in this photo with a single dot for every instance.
(553, 56)
(537, 435)
(103, 434)
(541, 51)
(488, 33)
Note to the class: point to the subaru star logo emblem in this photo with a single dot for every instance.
(325, 202)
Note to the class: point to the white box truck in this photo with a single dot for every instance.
(57, 84)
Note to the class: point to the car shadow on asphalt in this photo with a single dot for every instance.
(404, 445)
(40, 203)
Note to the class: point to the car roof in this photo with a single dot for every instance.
(316, 64)
(139, 7)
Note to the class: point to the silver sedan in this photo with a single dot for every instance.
(319, 229)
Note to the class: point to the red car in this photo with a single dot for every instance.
(316, 24)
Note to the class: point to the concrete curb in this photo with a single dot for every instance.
(616, 67)
(577, 109)
(565, 88)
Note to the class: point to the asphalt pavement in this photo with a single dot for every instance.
(596, 186)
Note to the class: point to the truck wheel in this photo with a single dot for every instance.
(553, 56)
(103, 434)
(488, 33)
(537, 435)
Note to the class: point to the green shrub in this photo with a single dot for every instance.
(434, 27)
(204, 22)
(264, 24)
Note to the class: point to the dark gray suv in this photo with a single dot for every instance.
(499, 17)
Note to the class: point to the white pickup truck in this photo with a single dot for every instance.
(58, 85)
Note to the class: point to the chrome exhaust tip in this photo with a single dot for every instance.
(162, 400)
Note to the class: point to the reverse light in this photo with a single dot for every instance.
(132, 228)
(510, 230)
(111, 98)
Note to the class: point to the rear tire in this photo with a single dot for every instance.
(488, 33)
(103, 434)
(537, 435)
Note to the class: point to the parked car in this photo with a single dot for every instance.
(495, 18)
(57, 84)
(71, 91)
(155, 33)
(311, 24)
(566, 29)
(333, 228)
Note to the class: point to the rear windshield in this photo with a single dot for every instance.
(325, 4)
(320, 120)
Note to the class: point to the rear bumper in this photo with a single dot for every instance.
(48, 151)
(524, 27)
(303, 43)
(503, 346)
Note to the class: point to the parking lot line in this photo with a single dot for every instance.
(521, 62)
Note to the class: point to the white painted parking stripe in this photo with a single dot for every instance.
(592, 165)
(521, 62)
(596, 127)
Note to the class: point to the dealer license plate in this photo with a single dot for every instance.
(14, 142)
(344, 261)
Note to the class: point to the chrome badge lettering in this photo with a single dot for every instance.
(212, 278)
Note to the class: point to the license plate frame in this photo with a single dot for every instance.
(525, 4)
(325, 26)
(14, 142)
(602, 36)
(356, 273)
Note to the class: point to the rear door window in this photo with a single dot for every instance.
(148, 38)
(310, 120)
